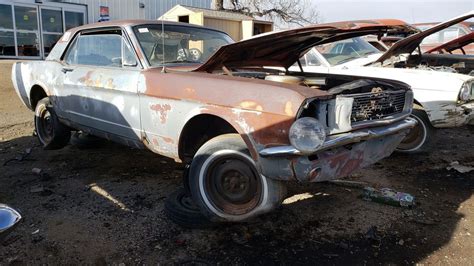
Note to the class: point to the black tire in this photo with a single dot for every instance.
(226, 185)
(51, 133)
(187, 189)
(180, 208)
(85, 141)
(420, 138)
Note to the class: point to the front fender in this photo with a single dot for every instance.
(258, 129)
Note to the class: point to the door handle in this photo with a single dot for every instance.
(65, 70)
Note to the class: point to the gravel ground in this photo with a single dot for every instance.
(105, 206)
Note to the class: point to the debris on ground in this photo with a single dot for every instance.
(20, 157)
(42, 174)
(37, 189)
(372, 234)
(348, 183)
(460, 168)
(388, 196)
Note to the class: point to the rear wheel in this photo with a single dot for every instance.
(420, 137)
(226, 184)
(51, 133)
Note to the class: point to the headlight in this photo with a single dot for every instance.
(466, 91)
(307, 135)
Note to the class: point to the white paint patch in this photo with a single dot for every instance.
(240, 111)
(119, 102)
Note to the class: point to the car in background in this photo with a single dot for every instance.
(444, 94)
(448, 34)
(376, 42)
(462, 45)
(189, 93)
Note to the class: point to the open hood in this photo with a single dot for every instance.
(284, 48)
(409, 44)
(452, 45)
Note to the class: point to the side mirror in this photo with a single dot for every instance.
(129, 62)
(9, 218)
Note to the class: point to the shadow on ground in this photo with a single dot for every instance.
(105, 205)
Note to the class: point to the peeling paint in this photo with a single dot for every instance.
(162, 110)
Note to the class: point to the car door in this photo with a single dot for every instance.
(101, 75)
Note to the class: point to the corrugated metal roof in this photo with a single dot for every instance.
(218, 13)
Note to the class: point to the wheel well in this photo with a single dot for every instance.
(36, 94)
(415, 102)
(198, 131)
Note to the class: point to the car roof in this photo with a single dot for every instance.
(132, 23)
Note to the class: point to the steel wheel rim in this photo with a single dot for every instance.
(232, 185)
(45, 126)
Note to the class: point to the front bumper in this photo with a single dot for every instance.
(340, 155)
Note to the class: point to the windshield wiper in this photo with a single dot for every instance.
(370, 52)
(182, 61)
(347, 60)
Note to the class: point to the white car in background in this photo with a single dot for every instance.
(443, 97)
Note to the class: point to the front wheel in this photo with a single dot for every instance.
(51, 133)
(226, 185)
(420, 137)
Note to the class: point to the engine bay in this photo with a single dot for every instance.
(451, 63)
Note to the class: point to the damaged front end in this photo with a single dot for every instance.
(363, 122)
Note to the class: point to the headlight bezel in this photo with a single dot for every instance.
(306, 129)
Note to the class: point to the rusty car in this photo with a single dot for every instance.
(190, 93)
(448, 34)
(463, 45)
(443, 89)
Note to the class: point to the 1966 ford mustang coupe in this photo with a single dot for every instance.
(189, 93)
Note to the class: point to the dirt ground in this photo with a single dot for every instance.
(105, 206)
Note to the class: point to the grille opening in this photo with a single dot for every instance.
(374, 106)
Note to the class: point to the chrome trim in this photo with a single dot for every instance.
(343, 139)
(9, 218)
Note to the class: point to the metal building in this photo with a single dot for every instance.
(30, 28)
(238, 26)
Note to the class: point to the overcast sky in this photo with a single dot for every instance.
(413, 11)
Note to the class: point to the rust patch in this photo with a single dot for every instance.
(168, 140)
(110, 84)
(87, 79)
(163, 110)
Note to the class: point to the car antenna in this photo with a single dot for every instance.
(163, 70)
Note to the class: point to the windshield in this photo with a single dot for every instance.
(182, 44)
(346, 50)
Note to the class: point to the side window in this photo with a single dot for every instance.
(450, 33)
(128, 54)
(432, 39)
(312, 59)
(103, 49)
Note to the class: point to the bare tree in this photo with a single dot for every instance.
(296, 12)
